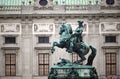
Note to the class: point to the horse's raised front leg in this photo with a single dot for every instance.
(52, 50)
(53, 47)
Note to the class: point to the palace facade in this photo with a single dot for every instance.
(28, 29)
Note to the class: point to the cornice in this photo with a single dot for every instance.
(15, 16)
(110, 47)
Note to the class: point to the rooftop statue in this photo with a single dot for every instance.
(73, 42)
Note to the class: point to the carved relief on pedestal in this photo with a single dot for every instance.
(75, 25)
(11, 28)
(43, 28)
(110, 27)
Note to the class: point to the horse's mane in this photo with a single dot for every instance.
(69, 28)
(66, 27)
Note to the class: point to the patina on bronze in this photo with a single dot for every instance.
(73, 42)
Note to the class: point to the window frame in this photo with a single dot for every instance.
(10, 64)
(43, 64)
(76, 57)
(109, 41)
(109, 72)
(45, 39)
(10, 42)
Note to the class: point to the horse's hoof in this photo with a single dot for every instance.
(52, 51)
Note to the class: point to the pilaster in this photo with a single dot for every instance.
(27, 49)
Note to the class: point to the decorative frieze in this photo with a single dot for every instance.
(10, 28)
(110, 27)
(43, 28)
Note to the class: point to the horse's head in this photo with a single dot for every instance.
(62, 29)
(65, 28)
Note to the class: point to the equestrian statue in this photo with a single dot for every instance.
(73, 42)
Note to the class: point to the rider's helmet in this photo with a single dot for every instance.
(80, 23)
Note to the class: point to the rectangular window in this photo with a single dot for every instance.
(43, 39)
(10, 64)
(110, 39)
(75, 57)
(110, 63)
(10, 40)
(43, 62)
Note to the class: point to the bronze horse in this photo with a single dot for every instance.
(73, 43)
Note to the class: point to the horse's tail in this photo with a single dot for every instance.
(91, 56)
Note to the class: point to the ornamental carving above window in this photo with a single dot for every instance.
(110, 27)
(118, 26)
(43, 28)
(6, 28)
